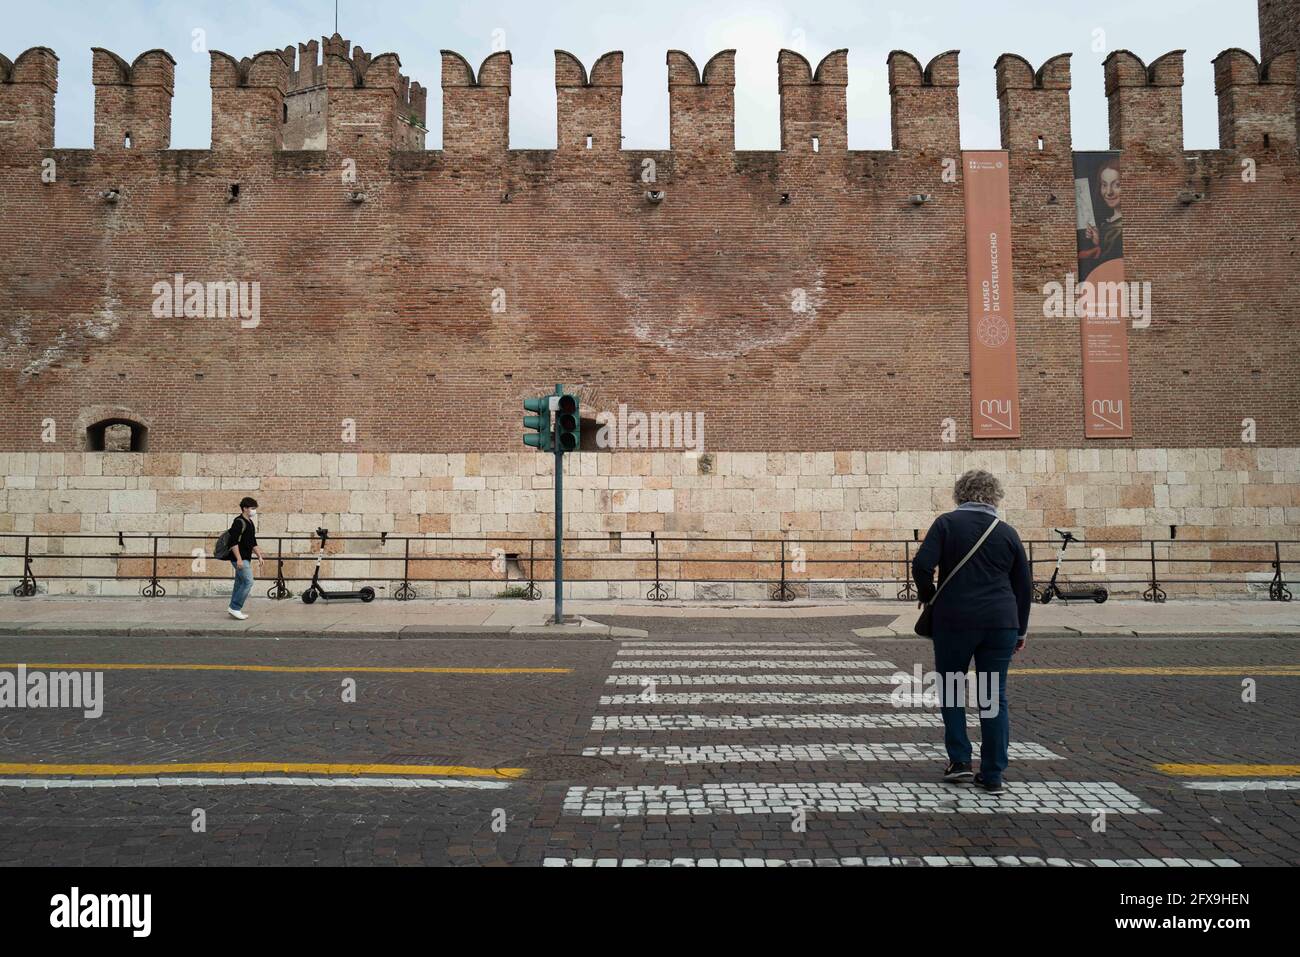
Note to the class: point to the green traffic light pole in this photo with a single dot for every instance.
(557, 423)
(559, 507)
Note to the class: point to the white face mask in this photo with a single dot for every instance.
(252, 513)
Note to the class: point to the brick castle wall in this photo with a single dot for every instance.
(795, 298)
(474, 276)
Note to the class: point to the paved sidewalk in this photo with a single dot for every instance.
(385, 618)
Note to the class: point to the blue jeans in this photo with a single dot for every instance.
(243, 584)
(992, 649)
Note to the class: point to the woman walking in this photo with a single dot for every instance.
(982, 614)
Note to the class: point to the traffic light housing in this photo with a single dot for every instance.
(568, 423)
(539, 424)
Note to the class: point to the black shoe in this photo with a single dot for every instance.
(993, 787)
(956, 773)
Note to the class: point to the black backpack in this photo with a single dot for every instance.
(222, 549)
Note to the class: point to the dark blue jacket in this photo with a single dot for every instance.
(993, 589)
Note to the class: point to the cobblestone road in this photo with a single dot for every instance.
(750, 744)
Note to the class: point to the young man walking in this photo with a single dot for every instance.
(243, 548)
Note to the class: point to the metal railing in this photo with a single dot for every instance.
(656, 559)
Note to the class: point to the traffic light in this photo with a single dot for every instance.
(539, 424)
(568, 423)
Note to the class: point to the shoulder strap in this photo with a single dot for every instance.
(974, 548)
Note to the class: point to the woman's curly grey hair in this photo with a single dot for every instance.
(978, 485)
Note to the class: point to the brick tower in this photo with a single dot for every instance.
(1279, 31)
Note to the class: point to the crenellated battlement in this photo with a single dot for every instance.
(1034, 106)
(814, 105)
(589, 109)
(702, 104)
(475, 109)
(27, 87)
(331, 94)
(924, 102)
(1255, 100)
(133, 102)
(1146, 102)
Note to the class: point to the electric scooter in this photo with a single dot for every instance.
(316, 590)
(1053, 588)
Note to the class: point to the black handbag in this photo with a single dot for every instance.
(925, 623)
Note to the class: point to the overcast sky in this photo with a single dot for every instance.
(416, 30)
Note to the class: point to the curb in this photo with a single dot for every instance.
(580, 632)
(1101, 631)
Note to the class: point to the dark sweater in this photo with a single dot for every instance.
(993, 590)
(244, 534)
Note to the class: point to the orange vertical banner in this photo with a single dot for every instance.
(994, 384)
(1102, 300)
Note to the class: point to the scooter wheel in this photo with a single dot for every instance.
(309, 596)
(1047, 597)
(367, 594)
(1100, 595)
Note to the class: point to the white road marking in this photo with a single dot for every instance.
(928, 861)
(743, 753)
(631, 643)
(742, 722)
(773, 679)
(763, 663)
(750, 652)
(902, 700)
(1266, 785)
(237, 780)
(1029, 797)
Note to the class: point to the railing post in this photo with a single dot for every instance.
(279, 589)
(906, 593)
(533, 593)
(27, 587)
(1033, 580)
(404, 591)
(154, 589)
(1154, 592)
(658, 593)
(783, 592)
(1277, 590)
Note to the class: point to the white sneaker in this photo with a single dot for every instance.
(236, 614)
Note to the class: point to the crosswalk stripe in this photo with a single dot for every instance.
(1021, 797)
(707, 680)
(973, 860)
(741, 722)
(749, 753)
(906, 700)
(763, 663)
(750, 652)
(637, 643)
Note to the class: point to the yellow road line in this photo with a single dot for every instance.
(305, 669)
(1171, 670)
(1232, 770)
(262, 767)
